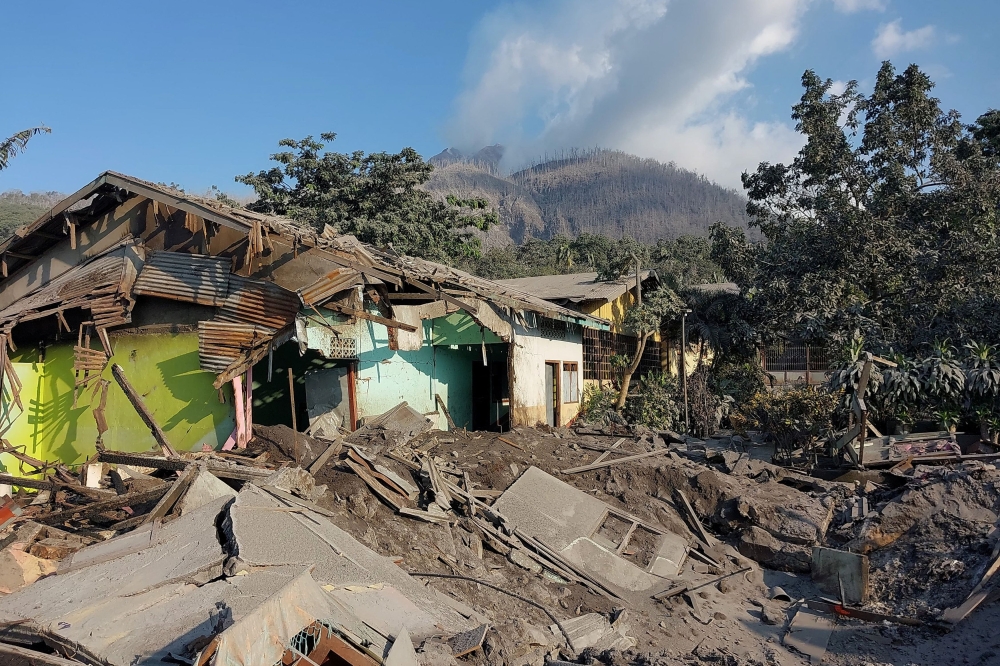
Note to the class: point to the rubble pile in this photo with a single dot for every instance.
(402, 544)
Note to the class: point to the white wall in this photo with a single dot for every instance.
(530, 352)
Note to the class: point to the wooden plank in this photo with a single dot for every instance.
(447, 414)
(424, 515)
(440, 294)
(694, 517)
(177, 490)
(27, 483)
(361, 314)
(332, 450)
(376, 487)
(140, 497)
(147, 417)
(507, 441)
(13, 655)
(601, 458)
(616, 461)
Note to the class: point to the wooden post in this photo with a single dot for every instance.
(684, 374)
(144, 413)
(295, 427)
(352, 395)
(808, 373)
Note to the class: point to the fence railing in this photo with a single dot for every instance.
(794, 363)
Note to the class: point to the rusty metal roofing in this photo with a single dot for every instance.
(259, 303)
(192, 278)
(341, 251)
(100, 276)
(220, 343)
(335, 281)
(575, 287)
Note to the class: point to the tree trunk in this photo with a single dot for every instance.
(629, 371)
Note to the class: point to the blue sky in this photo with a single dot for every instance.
(195, 93)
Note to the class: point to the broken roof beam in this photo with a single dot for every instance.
(144, 413)
(177, 464)
(361, 314)
(129, 499)
(440, 294)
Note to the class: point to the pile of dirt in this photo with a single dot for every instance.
(931, 543)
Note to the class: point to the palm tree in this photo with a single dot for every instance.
(15, 144)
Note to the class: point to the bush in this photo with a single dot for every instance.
(656, 405)
(740, 380)
(795, 417)
(707, 406)
(597, 402)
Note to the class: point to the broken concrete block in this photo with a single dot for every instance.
(55, 549)
(19, 568)
(760, 546)
(91, 474)
(205, 488)
(772, 614)
(518, 557)
(294, 480)
(836, 571)
(401, 653)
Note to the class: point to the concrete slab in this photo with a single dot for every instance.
(809, 632)
(567, 520)
(340, 561)
(205, 488)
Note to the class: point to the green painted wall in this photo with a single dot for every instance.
(164, 370)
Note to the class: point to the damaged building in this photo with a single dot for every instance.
(136, 316)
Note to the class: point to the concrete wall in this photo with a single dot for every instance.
(530, 352)
(163, 368)
(386, 377)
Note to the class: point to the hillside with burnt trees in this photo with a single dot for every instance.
(599, 192)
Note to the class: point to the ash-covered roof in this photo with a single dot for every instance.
(575, 287)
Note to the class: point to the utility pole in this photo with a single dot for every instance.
(684, 374)
(638, 282)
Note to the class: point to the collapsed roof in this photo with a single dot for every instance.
(234, 581)
(142, 239)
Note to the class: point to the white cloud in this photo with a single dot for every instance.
(892, 40)
(852, 6)
(659, 78)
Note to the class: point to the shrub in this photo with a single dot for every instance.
(597, 402)
(795, 417)
(656, 405)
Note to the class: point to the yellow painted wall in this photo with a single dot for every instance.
(614, 311)
(164, 370)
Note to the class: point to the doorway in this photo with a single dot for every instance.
(490, 390)
(552, 402)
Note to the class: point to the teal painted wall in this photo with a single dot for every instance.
(386, 377)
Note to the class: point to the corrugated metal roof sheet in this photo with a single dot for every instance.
(220, 343)
(100, 276)
(192, 278)
(574, 287)
(258, 302)
(335, 281)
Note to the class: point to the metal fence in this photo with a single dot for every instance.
(794, 363)
(600, 346)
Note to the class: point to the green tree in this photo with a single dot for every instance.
(884, 227)
(375, 196)
(12, 145)
(643, 321)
